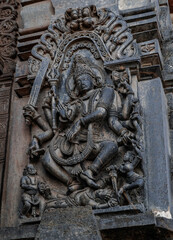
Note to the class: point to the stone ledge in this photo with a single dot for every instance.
(104, 223)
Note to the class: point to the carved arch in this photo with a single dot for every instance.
(109, 33)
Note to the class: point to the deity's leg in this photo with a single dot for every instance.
(133, 185)
(107, 152)
(56, 170)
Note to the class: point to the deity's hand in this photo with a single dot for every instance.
(125, 88)
(138, 148)
(30, 113)
(136, 144)
(126, 137)
(61, 109)
(120, 191)
(34, 150)
(74, 130)
(112, 202)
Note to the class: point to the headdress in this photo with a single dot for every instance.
(81, 67)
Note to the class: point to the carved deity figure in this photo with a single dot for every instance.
(91, 112)
(85, 123)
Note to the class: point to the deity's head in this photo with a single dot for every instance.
(29, 170)
(128, 156)
(104, 194)
(44, 189)
(83, 75)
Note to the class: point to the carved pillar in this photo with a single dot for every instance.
(8, 31)
(4, 110)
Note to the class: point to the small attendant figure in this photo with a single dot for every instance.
(130, 162)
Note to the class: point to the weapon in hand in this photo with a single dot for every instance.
(112, 170)
(53, 77)
(36, 88)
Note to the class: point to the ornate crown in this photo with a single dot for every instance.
(82, 67)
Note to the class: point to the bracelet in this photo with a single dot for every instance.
(37, 139)
(82, 121)
(36, 117)
(123, 131)
(130, 92)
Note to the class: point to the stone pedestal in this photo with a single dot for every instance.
(76, 223)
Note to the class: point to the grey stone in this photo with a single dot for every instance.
(126, 4)
(170, 109)
(37, 14)
(76, 223)
(157, 145)
(61, 6)
(125, 221)
(16, 233)
(165, 22)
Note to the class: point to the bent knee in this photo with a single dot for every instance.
(46, 160)
(112, 146)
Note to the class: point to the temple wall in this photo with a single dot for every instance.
(150, 24)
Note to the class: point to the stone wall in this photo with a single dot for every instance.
(150, 24)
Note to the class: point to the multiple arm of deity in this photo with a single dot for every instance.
(103, 110)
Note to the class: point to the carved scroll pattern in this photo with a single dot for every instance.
(8, 30)
(104, 33)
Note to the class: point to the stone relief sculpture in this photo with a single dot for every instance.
(91, 139)
(37, 195)
(30, 197)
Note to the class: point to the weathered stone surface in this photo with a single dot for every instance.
(170, 109)
(139, 233)
(125, 221)
(156, 144)
(126, 4)
(168, 64)
(16, 233)
(76, 223)
(165, 22)
(37, 14)
(16, 160)
(60, 5)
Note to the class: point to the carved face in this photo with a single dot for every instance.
(31, 170)
(84, 83)
(128, 156)
(44, 189)
(105, 194)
